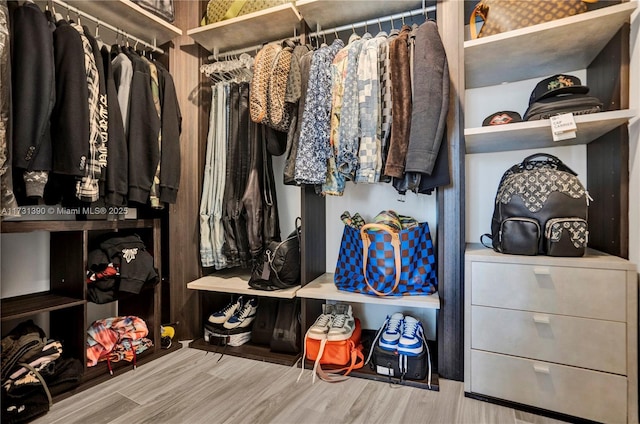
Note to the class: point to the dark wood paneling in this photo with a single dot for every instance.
(608, 156)
(451, 218)
(30, 304)
(68, 326)
(60, 226)
(67, 263)
(314, 234)
(184, 257)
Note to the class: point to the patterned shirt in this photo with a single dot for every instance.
(313, 151)
(334, 184)
(369, 153)
(385, 98)
(348, 132)
(87, 188)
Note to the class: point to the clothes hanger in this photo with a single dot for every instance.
(97, 36)
(115, 48)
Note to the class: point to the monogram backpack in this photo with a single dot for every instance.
(540, 208)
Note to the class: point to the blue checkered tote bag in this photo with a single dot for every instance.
(380, 261)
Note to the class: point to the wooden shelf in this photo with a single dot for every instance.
(333, 13)
(247, 30)
(537, 134)
(324, 288)
(249, 351)
(131, 18)
(236, 280)
(30, 304)
(540, 50)
(60, 226)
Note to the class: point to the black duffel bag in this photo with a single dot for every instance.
(278, 267)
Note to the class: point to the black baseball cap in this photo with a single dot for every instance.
(501, 118)
(556, 85)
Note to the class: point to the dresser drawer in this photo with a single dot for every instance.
(582, 292)
(583, 393)
(581, 342)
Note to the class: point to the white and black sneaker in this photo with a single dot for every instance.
(392, 332)
(320, 328)
(412, 341)
(343, 323)
(244, 316)
(225, 313)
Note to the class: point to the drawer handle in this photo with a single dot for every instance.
(541, 319)
(541, 369)
(541, 271)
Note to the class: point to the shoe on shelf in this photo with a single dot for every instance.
(320, 328)
(412, 341)
(244, 316)
(392, 332)
(343, 323)
(225, 313)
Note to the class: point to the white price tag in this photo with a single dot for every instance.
(564, 136)
(563, 126)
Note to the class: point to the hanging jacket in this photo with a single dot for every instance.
(430, 102)
(116, 177)
(70, 117)
(400, 71)
(8, 204)
(33, 94)
(144, 126)
(171, 130)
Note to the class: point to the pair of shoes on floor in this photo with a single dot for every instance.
(403, 334)
(237, 314)
(335, 323)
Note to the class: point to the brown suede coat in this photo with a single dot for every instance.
(400, 70)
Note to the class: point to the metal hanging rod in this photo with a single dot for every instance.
(319, 33)
(375, 21)
(103, 24)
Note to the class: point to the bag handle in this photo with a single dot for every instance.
(234, 9)
(357, 362)
(366, 242)
(550, 158)
(479, 11)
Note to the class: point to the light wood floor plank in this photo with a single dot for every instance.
(192, 386)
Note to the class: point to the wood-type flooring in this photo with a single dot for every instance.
(192, 386)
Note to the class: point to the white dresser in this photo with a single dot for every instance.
(553, 333)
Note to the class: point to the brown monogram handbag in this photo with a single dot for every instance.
(506, 15)
(219, 10)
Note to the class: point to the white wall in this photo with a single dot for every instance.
(369, 200)
(484, 170)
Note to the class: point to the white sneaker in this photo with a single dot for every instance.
(320, 328)
(225, 313)
(392, 332)
(412, 341)
(343, 323)
(243, 316)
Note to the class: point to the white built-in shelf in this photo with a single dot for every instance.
(130, 18)
(545, 49)
(333, 13)
(323, 288)
(592, 259)
(236, 280)
(248, 30)
(537, 134)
